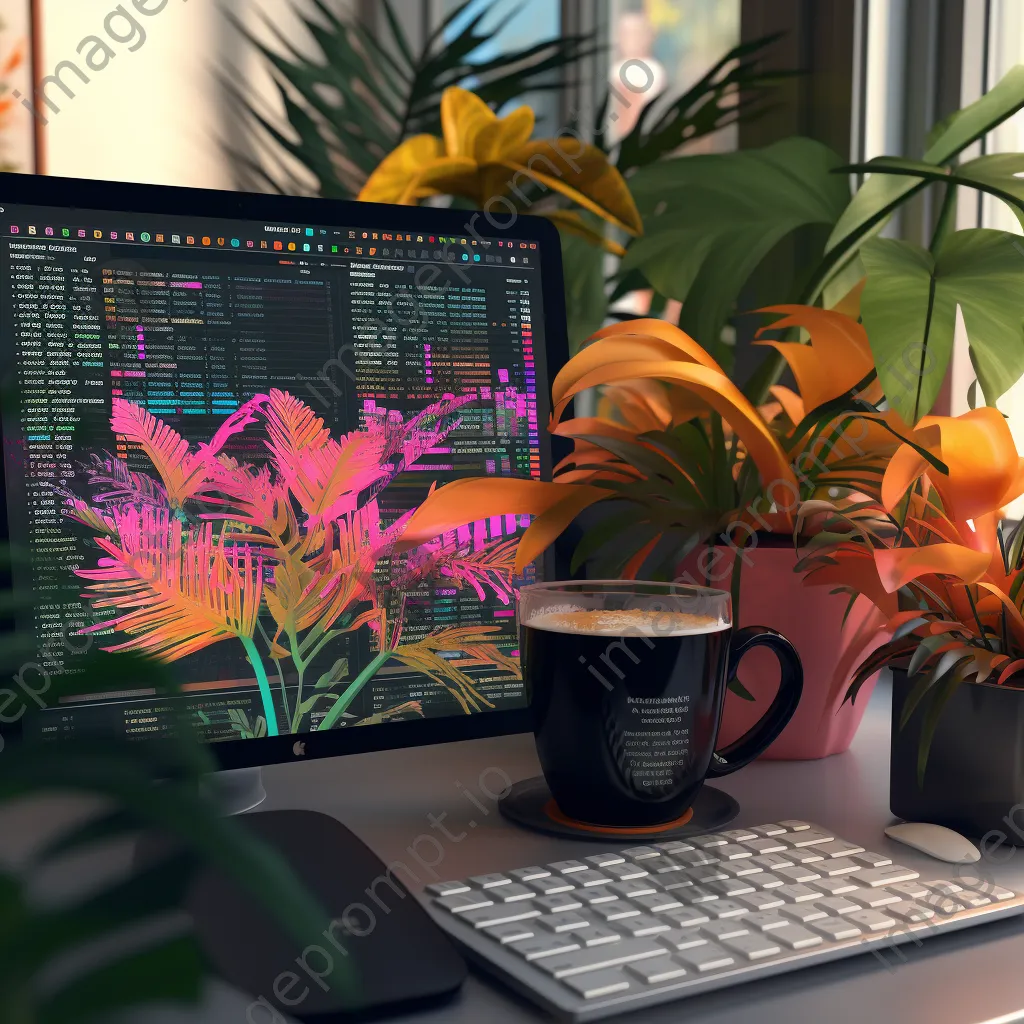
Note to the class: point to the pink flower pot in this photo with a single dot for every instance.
(772, 594)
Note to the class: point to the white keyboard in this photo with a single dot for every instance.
(618, 931)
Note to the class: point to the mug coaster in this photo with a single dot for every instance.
(529, 803)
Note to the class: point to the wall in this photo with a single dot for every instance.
(154, 112)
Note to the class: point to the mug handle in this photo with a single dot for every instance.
(756, 740)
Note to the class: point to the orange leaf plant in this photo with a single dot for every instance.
(679, 457)
(927, 546)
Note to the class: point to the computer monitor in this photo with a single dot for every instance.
(218, 408)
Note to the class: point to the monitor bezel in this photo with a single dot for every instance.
(125, 197)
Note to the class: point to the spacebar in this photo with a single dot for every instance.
(594, 959)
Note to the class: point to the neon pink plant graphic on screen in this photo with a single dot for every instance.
(280, 557)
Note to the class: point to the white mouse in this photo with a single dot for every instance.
(936, 841)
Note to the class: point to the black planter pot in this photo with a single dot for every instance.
(974, 779)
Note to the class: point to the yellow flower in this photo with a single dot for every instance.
(485, 158)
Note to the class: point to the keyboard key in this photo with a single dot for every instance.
(559, 903)
(682, 938)
(943, 888)
(597, 958)
(654, 971)
(761, 900)
(739, 835)
(460, 903)
(615, 911)
(487, 916)
(731, 887)
(709, 874)
(741, 868)
(838, 906)
(708, 957)
(798, 874)
(695, 858)
(970, 898)
(945, 905)
(588, 878)
(625, 872)
(541, 946)
(447, 888)
(766, 921)
(530, 874)
(663, 865)
(688, 917)
(833, 886)
(754, 946)
(733, 851)
(642, 925)
(672, 880)
(658, 903)
(596, 935)
(793, 936)
(490, 881)
(638, 887)
(696, 895)
(798, 893)
(913, 913)
(711, 840)
(772, 861)
(873, 877)
(766, 880)
(768, 831)
(793, 825)
(567, 867)
(551, 886)
(603, 983)
(873, 898)
(597, 894)
(872, 920)
(641, 853)
(719, 930)
(835, 928)
(987, 888)
(506, 933)
(724, 909)
(603, 860)
(872, 860)
(803, 913)
(559, 923)
(838, 848)
(511, 893)
(807, 855)
(835, 867)
(810, 837)
(764, 846)
(674, 846)
(910, 889)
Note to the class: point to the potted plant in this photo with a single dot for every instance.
(930, 549)
(678, 462)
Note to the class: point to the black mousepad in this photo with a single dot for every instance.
(529, 802)
(397, 958)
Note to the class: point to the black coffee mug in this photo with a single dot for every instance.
(626, 682)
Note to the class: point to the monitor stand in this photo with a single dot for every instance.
(235, 791)
(381, 955)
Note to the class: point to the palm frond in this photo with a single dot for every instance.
(351, 103)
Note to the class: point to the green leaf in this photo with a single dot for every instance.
(586, 304)
(909, 312)
(337, 673)
(974, 122)
(709, 221)
(936, 706)
(997, 174)
(170, 972)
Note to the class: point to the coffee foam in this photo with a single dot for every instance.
(628, 622)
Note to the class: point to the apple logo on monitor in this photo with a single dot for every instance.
(299, 749)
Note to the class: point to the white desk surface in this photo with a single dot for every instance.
(971, 977)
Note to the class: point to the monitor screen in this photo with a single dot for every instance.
(215, 429)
